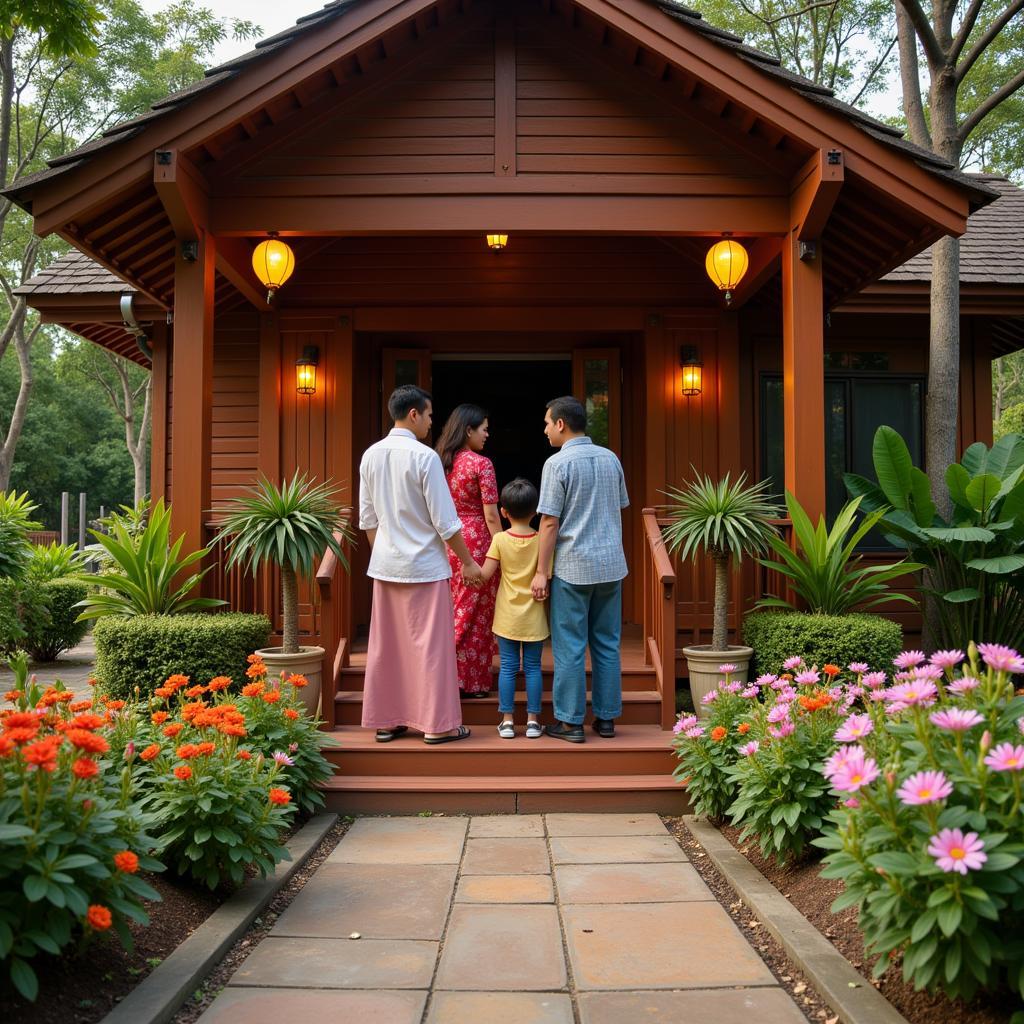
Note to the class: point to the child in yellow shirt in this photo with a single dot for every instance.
(520, 623)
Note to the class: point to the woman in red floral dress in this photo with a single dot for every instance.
(475, 490)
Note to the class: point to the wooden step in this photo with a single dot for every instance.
(504, 794)
(634, 678)
(635, 750)
(638, 707)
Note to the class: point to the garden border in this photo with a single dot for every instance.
(848, 993)
(159, 996)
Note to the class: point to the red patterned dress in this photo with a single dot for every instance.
(473, 485)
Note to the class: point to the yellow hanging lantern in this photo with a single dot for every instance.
(497, 241)
(726, 264)
(273, 261)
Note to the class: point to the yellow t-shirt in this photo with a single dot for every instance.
(517, 616)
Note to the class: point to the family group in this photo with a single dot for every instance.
(448, 581)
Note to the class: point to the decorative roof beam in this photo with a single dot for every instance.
(816, 189)
(765, 255)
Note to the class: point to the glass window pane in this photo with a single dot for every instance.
(407, 371)
(773, 465)
(596, 390)
(835, 447)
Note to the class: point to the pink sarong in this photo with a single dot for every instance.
(411, 675)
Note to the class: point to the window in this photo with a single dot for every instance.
(856, 405)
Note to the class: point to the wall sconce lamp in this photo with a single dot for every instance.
(693, 370)
(273, 263)
(497, 242)
(305, 370)
(190, 250)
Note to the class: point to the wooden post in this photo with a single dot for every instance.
(803, 375)
(160, 341)
(65, 516)
(81, 519)
(192, 379)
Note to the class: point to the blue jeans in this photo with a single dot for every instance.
(582, 615)
(509, 652)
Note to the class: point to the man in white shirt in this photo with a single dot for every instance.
(408, 514)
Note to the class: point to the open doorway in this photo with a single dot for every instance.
(514, 392)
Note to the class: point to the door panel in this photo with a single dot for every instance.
(597, 382)
(401, 366)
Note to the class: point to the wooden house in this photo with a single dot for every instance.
(613, 141)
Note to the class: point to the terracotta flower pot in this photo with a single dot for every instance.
(309, 662)
(704, 669)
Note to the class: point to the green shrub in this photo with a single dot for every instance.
(22, 611)
(143, 650)
(59, 630)
(821, 639)
(54, 561)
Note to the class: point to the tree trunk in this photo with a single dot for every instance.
(290, 610)
(23, 346)
(720, 633)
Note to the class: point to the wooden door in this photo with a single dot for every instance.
(401, 366)
(597, 382)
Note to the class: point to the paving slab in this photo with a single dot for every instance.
(402, 841)
(659, 945)
(616, 850)
(506, 826)
(737, 1006)
(506, 857)
(605, 825)
(500, 1008)
(338, 963)
(272, 1006)
(629, 883)
(505, 889)
(380, 901)
(515, 948)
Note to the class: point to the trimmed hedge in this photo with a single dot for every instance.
(57, 631)
(22, 612)
(144, 650)
(821, 639)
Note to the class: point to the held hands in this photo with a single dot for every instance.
(472, 575)
(539, 586)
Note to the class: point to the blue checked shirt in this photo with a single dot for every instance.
(583, 487)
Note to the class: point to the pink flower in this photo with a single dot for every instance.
(767, 680)
(854, 728)
(778, 713)
(1005, 757)
(281, 758)
(927, 672)
(129, 750)
(695, 732)
(685, 722)
(877, 696)
(749, 749)
(856, 772)
(726, 669)
(292, 747)
(787, 693)
(732, 687)
(839, 758)
(873, 680)
(787, 728)
(809, 677)
(956, 719)
(1002, 659)
(908, 659)
(852, 802)
(860, 667)
(750, 692)
(909, 694)
(964, 685)
(947, 659)
(954, 851)
(791, 663)
(924, 788)
(709, 698)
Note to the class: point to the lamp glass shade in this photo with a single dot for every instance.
(273, 262)
(693, 379)
(726, 263)
(305, 377)
(497, 241)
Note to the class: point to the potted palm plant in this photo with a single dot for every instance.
(290, 526)
(727, 519)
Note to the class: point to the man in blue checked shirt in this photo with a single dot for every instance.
(582, 495)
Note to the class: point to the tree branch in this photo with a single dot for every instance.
(879, 64)
(988, 104)
(985, 40)
(923, 30)
(910, 79)
(966, 28)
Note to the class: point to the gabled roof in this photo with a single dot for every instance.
(21, 190)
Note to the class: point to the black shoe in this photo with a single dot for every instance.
(564, 731)
(387, 735)
(604, 727)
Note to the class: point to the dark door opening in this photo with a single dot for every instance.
(514, 393)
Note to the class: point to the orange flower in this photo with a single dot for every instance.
(88, 741)
(256, 669)
(126, 861)
(21, 720)
(219, 683)
(253, 658)
(243, 755)
(232, 730)
(176, 682)
(183, 772)
(114, 705)
(22, 735)
(298, 681)
(98, 918)
(91, 681)
(79, 705)
(150, 752)
(173, 729)
(719, 733)
(743, 728)
(831, 670)
(193, 708)
(253, 689)
(281, 797)
(186, 750)
(85, 768)
(87, 721)
(205, 749)
(195, 691)
(291, 713)
(159, 717)
(13, 695)
(7, 746)
(43, 753)
(163, 691)
(272, 696)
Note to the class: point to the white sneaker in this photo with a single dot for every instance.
(507, 731)
(534, 731)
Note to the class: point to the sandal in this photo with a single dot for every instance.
(387, 735)
(460, 734)
(506, 730)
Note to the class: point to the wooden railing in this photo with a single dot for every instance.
(331, 584)
(242, 591)
(659, 636)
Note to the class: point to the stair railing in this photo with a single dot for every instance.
(659, 626)
(331, 581)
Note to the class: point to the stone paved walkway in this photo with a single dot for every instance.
(73, 668)
(529, 919)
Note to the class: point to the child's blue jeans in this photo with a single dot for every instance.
(509, 653)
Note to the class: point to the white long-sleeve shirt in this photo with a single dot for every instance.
(404, 496)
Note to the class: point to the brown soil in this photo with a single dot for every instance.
(813, 895)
